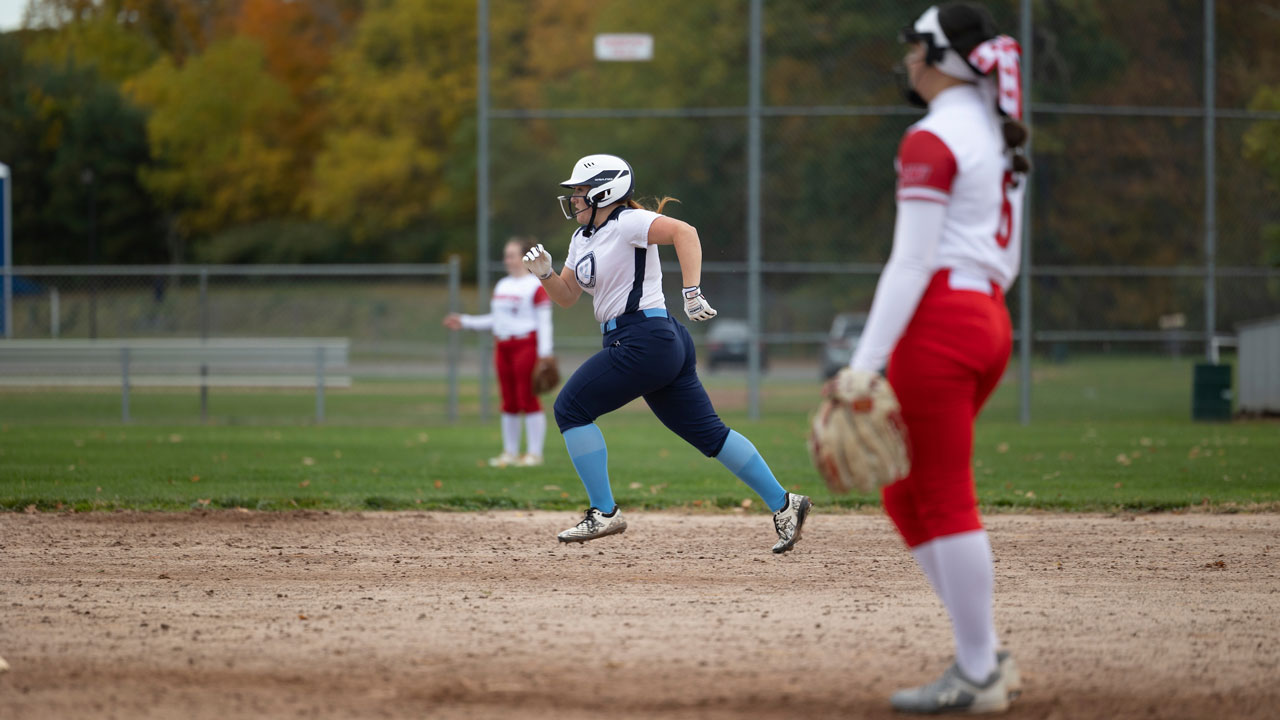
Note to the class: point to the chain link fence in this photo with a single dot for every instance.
(776, 124)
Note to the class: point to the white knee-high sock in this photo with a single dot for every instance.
(966, 572)
(535, 432)
(926, 556)
(511, 433)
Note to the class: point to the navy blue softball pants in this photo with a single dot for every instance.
(649, 356)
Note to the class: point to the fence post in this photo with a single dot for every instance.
(124, 384)
(55, 313)
(482, 191)
(1024, 288)
(455, 281)
(754, 151)
(1210, 182)
(319, 384)
(204, 392)
(204, 304)
(204, 338)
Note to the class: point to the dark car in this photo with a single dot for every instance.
(728, 340)
(846, 328)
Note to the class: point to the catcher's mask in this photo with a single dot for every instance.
(609, 179)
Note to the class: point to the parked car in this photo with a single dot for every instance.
(846, 328)
(727, 342)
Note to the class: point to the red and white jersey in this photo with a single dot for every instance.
(512, 311)
(955, 156)
(959, 208)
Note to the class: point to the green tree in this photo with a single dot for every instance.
(215, 131)
(398, 96)
(59, 121)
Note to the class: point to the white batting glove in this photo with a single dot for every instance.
(696, 306)
(538, 262)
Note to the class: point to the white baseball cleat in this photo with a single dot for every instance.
(789, 520)
(595, 524)
(506, 459)
(954, 693)
(529, 460)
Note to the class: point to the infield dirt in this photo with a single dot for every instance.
(447, 615)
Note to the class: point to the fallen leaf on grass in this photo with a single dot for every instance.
(304, 483)
(308, 461)
(195, 478)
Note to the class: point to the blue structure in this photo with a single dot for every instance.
(6, 253)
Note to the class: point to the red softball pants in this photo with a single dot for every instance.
(515, 359)
(949, 359)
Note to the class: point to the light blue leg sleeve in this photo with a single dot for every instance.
(743, 460)
(591, 459)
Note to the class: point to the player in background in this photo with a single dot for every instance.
(520, 319)
(939, 323)
(613, 256)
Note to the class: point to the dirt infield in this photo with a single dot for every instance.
(409, 615)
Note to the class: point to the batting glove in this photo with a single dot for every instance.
(696, 306)
(538, 262)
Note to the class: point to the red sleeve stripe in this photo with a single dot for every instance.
(540, 296)
(924, 193)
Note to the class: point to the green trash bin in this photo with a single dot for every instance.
(1211, 392)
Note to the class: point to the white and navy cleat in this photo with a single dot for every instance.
(595, 524)
(789, 520)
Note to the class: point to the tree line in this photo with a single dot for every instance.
(345, 130)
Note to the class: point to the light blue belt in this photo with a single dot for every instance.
(631, 317)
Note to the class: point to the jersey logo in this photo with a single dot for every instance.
(585, 270)
(915, 174)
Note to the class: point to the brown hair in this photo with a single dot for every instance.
(631, 203)
(526, 242)
(968, 25)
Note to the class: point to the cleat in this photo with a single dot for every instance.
(1009, 671)
(953, 693)
(595, 524)
(529, 460)
(789, 520)
(506, 459)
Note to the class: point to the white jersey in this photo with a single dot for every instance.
(617, 266)
(514, 311)
(955, 156)
(959, 208)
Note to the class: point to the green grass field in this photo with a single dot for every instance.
(1107, 433)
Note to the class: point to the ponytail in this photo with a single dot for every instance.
(1015, 139)
(631, 203)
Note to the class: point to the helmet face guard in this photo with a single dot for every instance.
(566, 206)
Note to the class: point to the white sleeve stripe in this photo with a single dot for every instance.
(924, 193)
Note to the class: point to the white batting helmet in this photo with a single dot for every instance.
(608, 176)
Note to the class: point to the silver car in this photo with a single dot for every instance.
(846, 328)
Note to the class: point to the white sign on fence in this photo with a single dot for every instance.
(624, 47)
